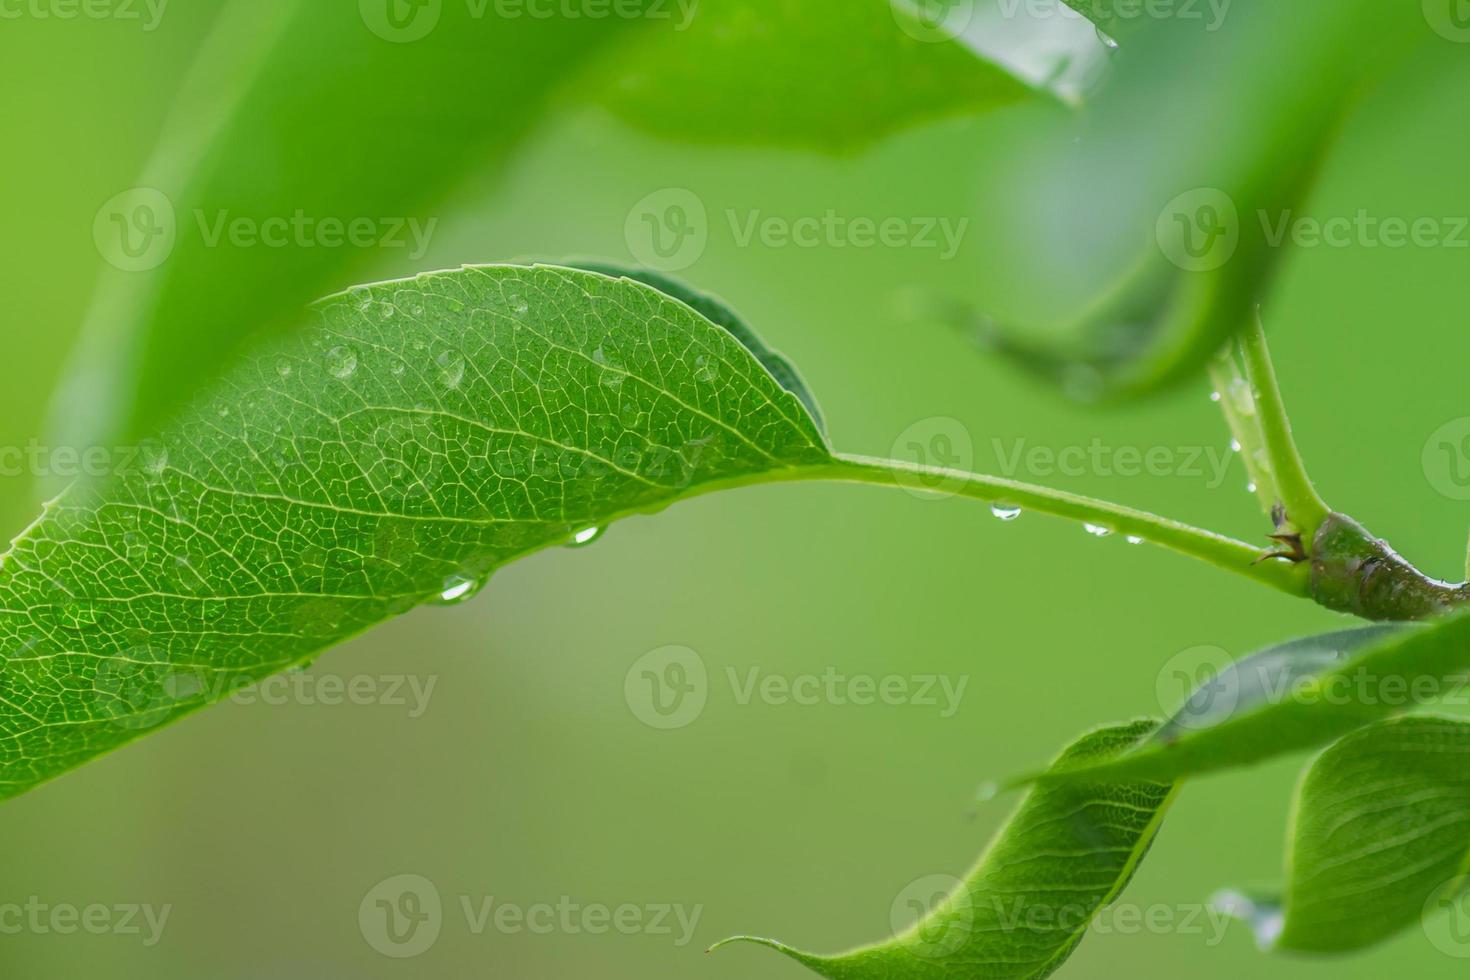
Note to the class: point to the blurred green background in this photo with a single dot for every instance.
(528, 777)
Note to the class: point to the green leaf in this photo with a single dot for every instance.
(308, 108)
(866, 68)
(1380, 832)
(1065, 855)
(408, 441)
(719, 313)
(1164, 199)
(1120, 18)
(1296, 697)
(332, 113)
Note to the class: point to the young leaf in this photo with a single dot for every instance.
(1380, 829)
(1065, 855)
(867, 68)
(414, 437)
(1297, 697)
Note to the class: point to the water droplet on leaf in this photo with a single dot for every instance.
(1005, 512)
(451, 368)
(459, 588)
(1098, 530)
(586, 536)
(342, 362)
(154, 456)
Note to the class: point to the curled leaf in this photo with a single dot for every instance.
(1379, 840)
(1064, 856)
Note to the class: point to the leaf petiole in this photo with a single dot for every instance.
(1216, 549)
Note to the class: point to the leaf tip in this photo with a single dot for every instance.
(806, 959)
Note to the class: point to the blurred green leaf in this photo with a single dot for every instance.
(1297, 697)
(1154, 218)
(1064, 856)
(821, 74)
(414, 437)
(303, 121)
(330, 111)
(1380, 831)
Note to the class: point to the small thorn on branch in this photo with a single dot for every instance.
(1296, 553)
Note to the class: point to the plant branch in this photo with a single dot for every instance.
(1304, 508)
(1218, 550)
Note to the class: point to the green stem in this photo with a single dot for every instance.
(1222, 552)
(1233, 394)
(1304, 508)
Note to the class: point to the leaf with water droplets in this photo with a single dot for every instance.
(1064, 856)
(1379, 841)
(346, 491)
